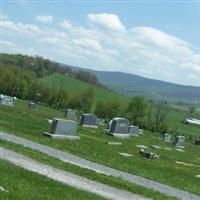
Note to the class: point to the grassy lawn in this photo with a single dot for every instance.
(22, 184)
(108, 180)
(30, 124)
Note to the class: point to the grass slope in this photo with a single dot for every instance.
(74, 86)
(22, 184)
(31, 124)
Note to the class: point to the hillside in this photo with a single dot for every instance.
(74, 86)
(131, 85)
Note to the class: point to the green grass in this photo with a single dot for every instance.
(74, 86)
(22, 184)
(19, 120)
(108, 180)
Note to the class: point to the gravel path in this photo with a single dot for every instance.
(68, 178)
(69, 158)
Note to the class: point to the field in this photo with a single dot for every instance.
(30, 124)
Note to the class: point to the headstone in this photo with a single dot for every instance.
(180, 150)
(89, 120)
(167, 148)
(141, 131)
(6, 100)
(63, 129)
(114, 143)
(32, 104)
(166, 137)
(133, 130)
(119, 127)
(141, 146)
(179, 141)
(197, 142)
(125, 154)
(148, 155)
(71, 114)
(155, 147)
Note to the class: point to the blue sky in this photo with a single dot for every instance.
(151, 39)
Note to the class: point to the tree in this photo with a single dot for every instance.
(137, 110)
(191, 109)
(107, 109)
(160, 120)
(87, 99)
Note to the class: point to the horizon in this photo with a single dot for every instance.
(149, 42)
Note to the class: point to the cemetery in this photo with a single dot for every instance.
(102, 148)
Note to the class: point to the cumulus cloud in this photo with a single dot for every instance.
(44, 18)
(110, 21)
(105, 44)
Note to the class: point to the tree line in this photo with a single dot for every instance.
(42, 67)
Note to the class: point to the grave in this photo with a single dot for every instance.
(63, 129)
(113, 143)
(179, 141)
(140, 131)
(166, 137)
(89, 120)
(141, 146)
(125, 154)
(71, 114)
(118, 127)
(197, 142)
(133, 130)
(148, 155)
(6, 100)
(32, 104)
(155, 147)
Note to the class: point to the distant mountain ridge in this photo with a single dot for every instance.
(131, 85)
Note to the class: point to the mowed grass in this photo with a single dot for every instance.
(21, 184)
(30, 124)
(108, 180)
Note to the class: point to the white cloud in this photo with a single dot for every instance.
(65, 24)
(144, 51)
(89, 43)
(110, 21)
(44, 18)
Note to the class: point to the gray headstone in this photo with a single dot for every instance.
(166, 137)
(61, 128)
(179, 141)
(6, 100)
(71, 114)
(119, 127)
(32, 105)
(89, 120)
(133, 130)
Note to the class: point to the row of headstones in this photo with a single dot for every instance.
(179, 140)
(7, 100)
(118, 127)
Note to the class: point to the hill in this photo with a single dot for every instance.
(74, 86)
(132, 85)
